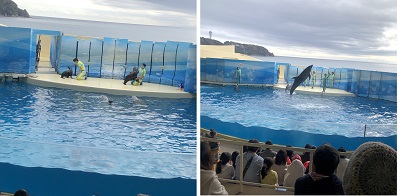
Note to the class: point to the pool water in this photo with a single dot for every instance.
(82, 131)
(308, 114)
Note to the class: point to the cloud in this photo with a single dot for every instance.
(331, 27)
(178, 13)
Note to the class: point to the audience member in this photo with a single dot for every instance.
(294, 171)
(234, 155)
(269, 176)
(268, 152)
(224, 168)
(323, 181)
(21, 192)
(342, 164)
(210, 185)
(289, 154)
(252, 164)
(372, 170)
(296, 156)
(280, 165)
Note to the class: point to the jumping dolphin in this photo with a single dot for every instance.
(301, 78)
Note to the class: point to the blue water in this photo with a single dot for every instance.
(81, 131)
(133, 32)
(271, 113)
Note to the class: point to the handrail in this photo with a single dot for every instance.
(241, 142)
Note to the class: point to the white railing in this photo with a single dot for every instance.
(226, 139)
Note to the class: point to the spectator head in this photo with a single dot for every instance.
(268, 162)
(21, 192)
(206, 159)
(234, 155)
(296, 156)
(289, 153)
(361, 176)
(326, 160)
(280, 158)
(268, 142)
(213, 133)
(223, 160)
(251, 148)
(313, 147)
(307, 146)
(341, 149)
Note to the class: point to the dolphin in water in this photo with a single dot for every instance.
(136, 100)
(106, 99)
(301, 78)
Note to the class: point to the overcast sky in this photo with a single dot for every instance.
(361, 30)
(180, 13)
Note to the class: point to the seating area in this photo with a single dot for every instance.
(238, 186)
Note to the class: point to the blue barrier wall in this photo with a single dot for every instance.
(372, 84)
(106, 58)
(16, 50)
(224, 70)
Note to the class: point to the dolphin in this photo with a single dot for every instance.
(301, 78)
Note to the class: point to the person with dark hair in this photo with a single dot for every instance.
(323, 181)
(21, 192)
(82, 71)
(210, 185)
(342, 164)
(289, 154)
(268, 152)
(140, 76)
(224, 167)
(234, 155)
(269, 176)
(280, 165)
(252, 164)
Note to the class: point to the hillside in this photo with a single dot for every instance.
(10, 8)
(247, 49)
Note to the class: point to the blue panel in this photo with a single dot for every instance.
(68, 53)
(169, 62)
(146, 49)
(108, 57)
(211, 69)
(293, 72)
(94, 66)
(230, 70)
(83, 52)
(220, 63)
(318, 76)
(157, 62)
(374, 87)
(16, 50)
(54, 51)
(203, 71)
(355, 81)
(120, 59)
(132, 57)
(191, 76)
(181, 63)
(388, 87)
(363, 85)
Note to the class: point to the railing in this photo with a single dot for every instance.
(225, 139)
